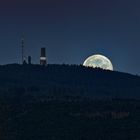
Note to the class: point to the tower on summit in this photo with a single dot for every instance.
(43, 60)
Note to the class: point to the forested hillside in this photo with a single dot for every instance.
(65, 80)
(62, 102)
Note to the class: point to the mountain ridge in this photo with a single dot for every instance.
(61, 102)
(66, 78)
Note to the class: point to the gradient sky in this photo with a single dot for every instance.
(72, 30)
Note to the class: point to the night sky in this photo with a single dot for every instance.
(72, 30)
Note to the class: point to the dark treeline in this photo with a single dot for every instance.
(64, 79)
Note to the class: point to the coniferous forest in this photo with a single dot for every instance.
(68, 102)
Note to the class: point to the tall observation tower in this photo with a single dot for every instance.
(43, 60)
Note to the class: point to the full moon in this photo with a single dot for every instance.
(98, 61)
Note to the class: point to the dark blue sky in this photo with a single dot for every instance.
(71, 30)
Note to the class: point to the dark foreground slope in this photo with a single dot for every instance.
(60, 102)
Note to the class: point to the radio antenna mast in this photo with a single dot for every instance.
(23, 49)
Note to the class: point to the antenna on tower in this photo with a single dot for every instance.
(23, 50)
